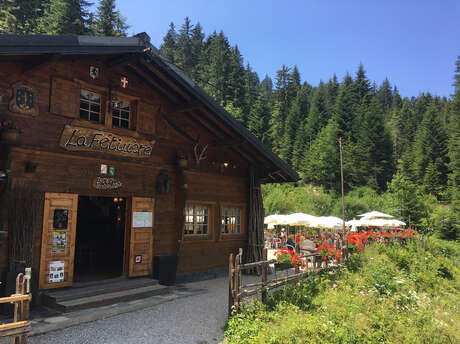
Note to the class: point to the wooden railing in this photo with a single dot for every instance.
(20, 327)
(237, 290)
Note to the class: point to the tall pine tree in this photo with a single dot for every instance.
(20, 16)
(65, 17)
(109, 21)
(322, 166)
(431, 154)
(169, 46)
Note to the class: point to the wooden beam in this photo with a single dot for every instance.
(33, 63)
(13, 325)
(15, 332)
(149, 72)
(161, 76)
(196, 120)
(152, 83)
(178, 130)
(122, 60)
(226, 144)
(204, 122)
(16, 298)
(184, 108)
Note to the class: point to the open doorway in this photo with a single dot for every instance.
(99, 242)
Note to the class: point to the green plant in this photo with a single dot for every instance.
(394, 294)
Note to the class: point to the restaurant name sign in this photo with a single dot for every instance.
(91, 140)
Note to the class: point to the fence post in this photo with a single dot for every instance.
(240, 277)
(21, 308)
(231, 272)
(236, 296)
(264, 275)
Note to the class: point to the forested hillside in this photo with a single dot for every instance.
(61, 17)
(406, 146)
(382, 132)
(409, 145)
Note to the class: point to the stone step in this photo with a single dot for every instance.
(87, 290)
(110, 298)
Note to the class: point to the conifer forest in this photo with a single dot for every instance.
(399, 153)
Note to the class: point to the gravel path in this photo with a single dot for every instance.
(197, 319)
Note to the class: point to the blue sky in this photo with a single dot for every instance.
(413, 43)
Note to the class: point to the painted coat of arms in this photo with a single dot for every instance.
(24, 100)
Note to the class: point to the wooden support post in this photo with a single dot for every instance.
(231, 272)
(237, 284)
(264, 275)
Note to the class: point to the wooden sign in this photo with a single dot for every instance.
(92, 140)
(106, 183)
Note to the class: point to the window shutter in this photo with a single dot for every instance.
(65, 98)
(146, 118)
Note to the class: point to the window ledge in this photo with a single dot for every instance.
(197, 237)
(98, 126)
(232, 236)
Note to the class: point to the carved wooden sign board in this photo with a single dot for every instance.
(91, 140)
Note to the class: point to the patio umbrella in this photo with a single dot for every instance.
(381, 223)
(353, 222)
(327, 222)
(375, 215)
(300, 219)
(395, 223)
(275, 219)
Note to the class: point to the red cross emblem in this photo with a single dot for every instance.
(124, 81)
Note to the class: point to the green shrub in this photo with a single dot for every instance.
(354, 262)
(387, 294)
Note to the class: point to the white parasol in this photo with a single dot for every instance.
(275, 219)
(375, 215)
(327, 222)
(300, 219)
(381, 223)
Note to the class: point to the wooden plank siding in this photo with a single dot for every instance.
(61, 171)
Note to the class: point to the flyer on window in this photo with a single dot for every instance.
(59, 242)
(142, 219)
(56, 272)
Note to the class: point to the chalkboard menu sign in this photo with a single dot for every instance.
(60, 218)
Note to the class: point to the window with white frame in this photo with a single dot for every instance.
(196, 219)
(90, 106)
(230, 220)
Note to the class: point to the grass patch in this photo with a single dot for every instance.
(387, 294)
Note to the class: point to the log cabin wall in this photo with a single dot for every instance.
(217, 191)
(60, 171)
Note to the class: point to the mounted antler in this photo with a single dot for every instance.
(199, 155)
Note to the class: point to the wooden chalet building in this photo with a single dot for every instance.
(120, 159)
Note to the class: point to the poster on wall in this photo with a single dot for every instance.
(142, 219)
(56, 272)
(59, 242)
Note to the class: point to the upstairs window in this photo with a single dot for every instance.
(230, 220)
(121, 113)
(90, 106)
(196, 219)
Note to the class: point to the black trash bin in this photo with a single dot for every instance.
(164, 268)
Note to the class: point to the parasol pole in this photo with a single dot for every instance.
(341, 177)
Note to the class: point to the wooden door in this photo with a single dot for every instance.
(58, 240)
(141, 237)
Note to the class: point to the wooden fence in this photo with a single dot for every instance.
(237, 291)
(20, 327)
